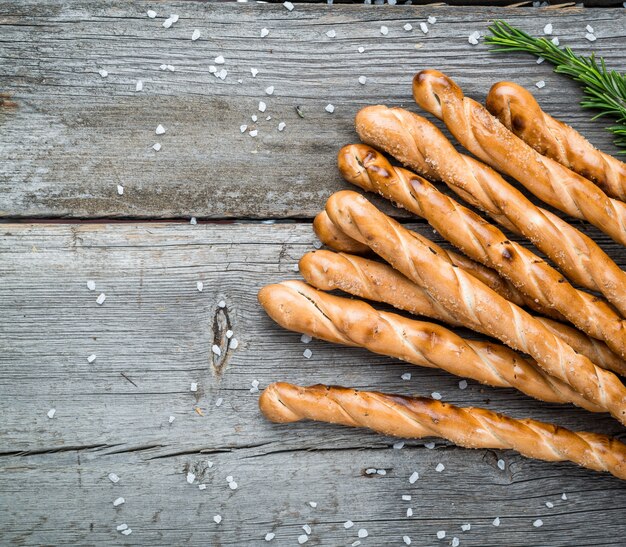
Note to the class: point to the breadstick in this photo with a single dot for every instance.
(489, 140)
(417, 143)
(372, 280)
(519, 112)
(418, 417)
(365, 167)
(298, 307)
(334, 238)
(462, 294)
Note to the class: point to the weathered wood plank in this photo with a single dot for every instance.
(157, 329)
(74, 136)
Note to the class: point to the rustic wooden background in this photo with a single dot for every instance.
(69, 137)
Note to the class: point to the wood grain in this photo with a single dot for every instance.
(73, 136)
(156, 330)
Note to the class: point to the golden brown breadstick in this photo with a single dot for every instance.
(417, 417)
(365, 167)
(462, 294)
(328, 234)
(420, 145)
(519, 112)
(489, 140)
(376, 281)
(298, 307)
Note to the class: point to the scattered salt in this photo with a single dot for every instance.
(590, 37)
(414, 476)
(222, 74)
(234, 343)
(174, 17)
(441, 534)
(331, 33)
(269, 90)
(219, 60)
(463, 384)
(424, 28)
(436, 395)
(555, 41)
(429, 445)
(589, 28)
(264, 32)
(398, 445)
(101, 298)
(406, 497)
(432, 20)
(406, 376)
(150, 13)
(193, 221)
(139, 86)
(229, 334)
(362, 533)
(408, 27)
(156, 146)
(51, 414)
(216, 349)
(212, 69)
(91, 358)
(538, 523)
(120, 189)
(232, 485)
(409, 512)
(501, 464)
(103, 73)
(270, 536)
(282, 126)
(384, 30)
(199, 286)
(466, 527)
(219, 401)
(313, 504)
(167, 23)
(118, 501)
(360, 49)
(540, 84)
(217, 519)
(440, 467)
(356, 543)
(307, 529)
(160, 130)
(254, 72)
(303, 539)
(348, 524)
(473, 38)
(362, 80)
(496, 521)
(548, 29)
(407, 540)
(253, 132)
(190, 477)
(193, 387)
(549, 504)
(564, 497)
(381, 472)
(113, 478)
(262, 106)
(329, 108)
(307, 353)
(91, 285)
(121, 527)
(455, 542)
(195, 35)
(171, 419)
(288, 5)
(163, 67)
(202, 487)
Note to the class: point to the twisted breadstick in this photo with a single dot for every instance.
(298, 307)
(464, 295)
(334, 238)
(419, 144)
(489, 140)
(371, 280)
(519, 112)
(370, 170)
(417, 417)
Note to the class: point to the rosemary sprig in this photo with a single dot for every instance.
(604, 90)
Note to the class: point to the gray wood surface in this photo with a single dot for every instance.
(156, 330)
(73, 136)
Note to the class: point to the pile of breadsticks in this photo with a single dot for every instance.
(564, 317)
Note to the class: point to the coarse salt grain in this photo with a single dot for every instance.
(356, 543)
(414, 476)
(590, 37)
(91, 358)
(217, 519)
(163, 67)
(407, 540)
(171, 419)
(307, 529)
(243, 128)
(348, 524)
(466, 527)
(549, 504)
(202, 487)
(307, 353)
(473, 38)
(222, 74)
(589, 28)
(127, 532)
(270, 536)
(219, 401)
(362, 533)
(282, 126)
(398, 445)
(360, 49)
(538, 523)
(229, 334)
(190, 477)
(381, 472)
(167, 23)
(156, 146)
(91, 285)
(424, 27)
(51, 413)
(120, 189)
(139, 85)
(313, 504)
(195, 35)
(384, 30)
(288, 5)
(254, 117)
(548, 29)
(103, 73)
(409, 512)
(441, 534)
(151, 13)
(199, 286)
(118, 501)
(254, 72)
(406, 497)
(370, 471)
(216, 349)
(234, 343)
(555, 41)
(408, 27)
(329, 108)
(159, 130)
(264, 32)
(501, 464)
(362, 80)
(253, 132)
(193, 387)
(269, 90)
(432, 20)
(564, 497)
(440, 467)
(171, 68)
(455, 542)
(406, 376)
(174, 17)
(193, 221)
(331, 33)
(121, 527)
(101, 298)
(219, 60)
(429, 445)
(262, 106)
(436, 395)
(463, 384)
(232, 485)
(113, 478)
(540, 84)
(496, 521)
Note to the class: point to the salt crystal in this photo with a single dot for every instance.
(190, 477)
(432, 20)
(229, 334)
(538, 523)
(199, 286)
(331, 33)
(549, 504)
(113, 478)
(91, 285)
(440, 467)
(270, 536)
(127, 532)
(254, 117)
(466, 527)
(51, 413)
(194, 386)
(243, 128)
(103, 73)
(282, 126)
(307, 353)
(307, 529)
(424, 28)
(91, 358)
(303, 539)
(360, 49)
(101, 298)
(288, 5)
(356, 543)
(222, 74)
(209, 463)
(264, 32)
(473, 38)
(118, 501)
(384, 30)
(441, 534)
(219, 60)
(193, 221)
(555, 41)
(382, 472)
(120, 189)
(253, 132)
(540, 84)
(254, 72)
(262, 106)
(414, 476)
(589, 28)
(156, 146)
(409, 512)
(295, 268)
(139, 85)
(232, 485)
(219, 401)
(160, 130)
(429, 445)
(234, 343)
(463, 384)
(496, 521)
(313, 504)
(548, 29)
(329, 108)
(217, 519)
(255, 383)
(501, 464)
(564, 497)
(171, 419)
(202, 487)
(163, 67)
(455, 542)
(195, 35)
(362, 80)
(171, 68)
(150, 13)
(348, 524)
(370, 471)
(406, 497)
(174, 17)
(121, 527)
(436, 395)
(216, 349)
(406, 376)
(540, 60)
(212, 69)
(407, 540)
(398, 445)
(590, 37)
(167, 23)
(362, 533)
(408, 27)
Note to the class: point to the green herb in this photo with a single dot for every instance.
(605, 90)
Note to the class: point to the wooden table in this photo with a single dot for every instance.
(69, 137)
